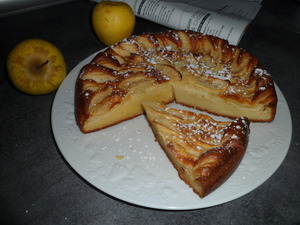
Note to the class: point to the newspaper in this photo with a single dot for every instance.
(227, 19)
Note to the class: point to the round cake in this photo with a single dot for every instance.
(193, 69)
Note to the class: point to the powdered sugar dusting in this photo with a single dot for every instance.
(261, 72)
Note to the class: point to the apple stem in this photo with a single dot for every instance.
(43, 64)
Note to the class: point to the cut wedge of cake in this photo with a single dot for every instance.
(205, 152)
(193, 69)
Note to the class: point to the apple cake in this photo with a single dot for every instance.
(205, 152)
(193, 69)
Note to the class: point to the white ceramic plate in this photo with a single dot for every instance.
(124, 161)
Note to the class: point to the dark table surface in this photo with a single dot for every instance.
(39, 187)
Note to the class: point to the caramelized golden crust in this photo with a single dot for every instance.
(205, 152)
(195, 70)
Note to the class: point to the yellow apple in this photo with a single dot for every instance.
(36, 67)
(113, 21)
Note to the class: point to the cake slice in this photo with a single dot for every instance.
(205, 152)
